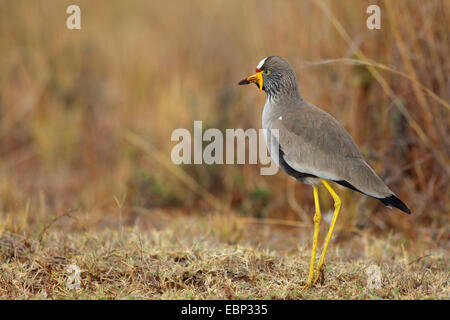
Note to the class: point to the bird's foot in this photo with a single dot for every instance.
(306, 286)
(320, 275)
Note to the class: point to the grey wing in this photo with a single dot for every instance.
(316, 144)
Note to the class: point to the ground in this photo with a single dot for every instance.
(208, 257)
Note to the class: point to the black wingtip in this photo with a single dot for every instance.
(395, 202)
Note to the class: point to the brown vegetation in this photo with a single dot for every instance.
(86, 119)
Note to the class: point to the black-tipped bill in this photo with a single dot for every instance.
(256, 78)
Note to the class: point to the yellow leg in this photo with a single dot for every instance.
(337, 208)
(317, 217)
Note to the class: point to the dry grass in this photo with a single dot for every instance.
(178, 257)
(85, 124)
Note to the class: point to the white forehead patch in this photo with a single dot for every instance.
(261, 63)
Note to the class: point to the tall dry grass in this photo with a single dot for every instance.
(86, 116)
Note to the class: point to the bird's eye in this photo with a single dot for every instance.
(267, 72)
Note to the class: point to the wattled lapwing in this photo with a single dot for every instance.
(313, 147)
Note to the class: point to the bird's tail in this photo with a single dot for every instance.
(393, 201)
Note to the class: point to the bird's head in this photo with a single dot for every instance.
(275, 76)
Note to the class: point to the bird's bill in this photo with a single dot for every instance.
(256, 78)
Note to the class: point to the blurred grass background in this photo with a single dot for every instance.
(69, 98)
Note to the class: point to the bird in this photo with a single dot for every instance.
(312, 146)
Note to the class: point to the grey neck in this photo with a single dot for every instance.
(282, 87)
(283, 94)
